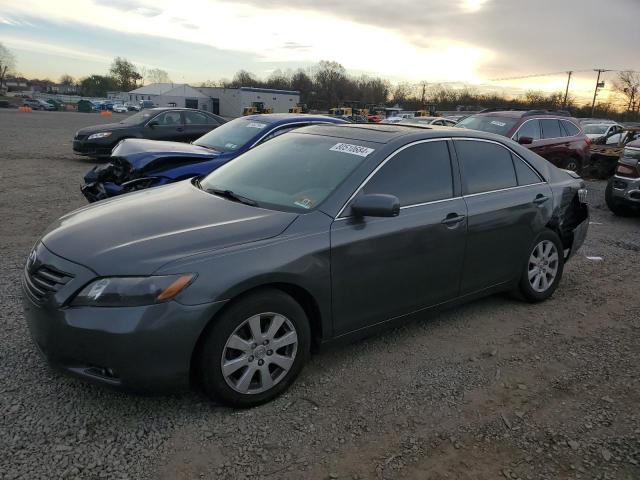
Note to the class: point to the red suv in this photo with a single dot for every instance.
(555, 136)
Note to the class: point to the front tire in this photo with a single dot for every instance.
(543, 268)
(255, 350)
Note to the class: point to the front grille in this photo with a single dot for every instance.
(80, 137)
(44, 281)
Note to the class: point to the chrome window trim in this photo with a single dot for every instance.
(412, 206)
(502, 189)
(541, 133)
(542, 180)
(383, 163)
(288, 125)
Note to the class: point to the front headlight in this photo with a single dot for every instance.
(132, 291)
(99, 135)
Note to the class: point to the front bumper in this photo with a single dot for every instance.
(92, 148)
(134, 348)
(626, 189)
(95, 191)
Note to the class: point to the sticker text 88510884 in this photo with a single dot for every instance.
(352, 149)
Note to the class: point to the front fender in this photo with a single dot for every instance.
(299, 257)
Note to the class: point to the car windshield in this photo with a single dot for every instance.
(138, 118)
(293, 172)
(232, 135)
(488, 123)
(595, 129)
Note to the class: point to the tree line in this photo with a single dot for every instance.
(328, 84)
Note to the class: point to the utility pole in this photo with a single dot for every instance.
(566, 92)
(598, 85)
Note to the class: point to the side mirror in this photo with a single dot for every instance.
(525, 140)
(152, 124)
(376, 205)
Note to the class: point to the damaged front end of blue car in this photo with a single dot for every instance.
(140, 164)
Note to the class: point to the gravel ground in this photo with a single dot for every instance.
(494, 389)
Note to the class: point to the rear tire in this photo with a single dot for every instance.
(573, 164)
(255, 350)
(543, 268)
(615, 205)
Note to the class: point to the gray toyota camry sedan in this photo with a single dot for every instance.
(328, 233)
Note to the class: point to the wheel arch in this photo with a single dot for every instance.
(300, 294)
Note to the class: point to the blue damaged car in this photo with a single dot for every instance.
(136, 164)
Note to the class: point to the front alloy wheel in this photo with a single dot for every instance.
(254, 349)
(259, 353)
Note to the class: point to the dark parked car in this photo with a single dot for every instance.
(623, 189)
(37, 104)
(324, 234)
(175, 124)
(553, 135)
(138, 164)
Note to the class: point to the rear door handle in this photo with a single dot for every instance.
(540, 199)
(453, 219)
(180, 129)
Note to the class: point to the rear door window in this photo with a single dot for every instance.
(524, 173)
(550, 128)
(530, 128)
(570, 128)
(418, 174)
(485, 166)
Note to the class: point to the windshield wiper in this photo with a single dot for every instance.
(228, 194)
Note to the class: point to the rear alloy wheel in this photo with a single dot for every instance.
(255, 349)
(543, 269)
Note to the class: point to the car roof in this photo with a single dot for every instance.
(388, 132)
(291, 117)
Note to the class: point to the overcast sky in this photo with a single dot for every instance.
(468, 41)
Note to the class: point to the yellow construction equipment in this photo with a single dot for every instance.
(256, 107)
(348, 111)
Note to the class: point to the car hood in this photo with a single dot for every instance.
(136, 234)
(140, 153)
(594, 135)
(105, 127)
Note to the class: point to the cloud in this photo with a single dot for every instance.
(294, 46)
(131, 6)
(525, 36)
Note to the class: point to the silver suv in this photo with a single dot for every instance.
(623, 190)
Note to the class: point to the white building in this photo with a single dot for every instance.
(229, 102)
(171, 95)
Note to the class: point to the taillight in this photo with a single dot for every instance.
(587, 140)
(627, 170)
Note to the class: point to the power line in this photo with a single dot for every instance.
(534, 75)
(551, 74)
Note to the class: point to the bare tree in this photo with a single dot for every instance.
(157, 75)
(66, 80)
(7, 62)
(627, 84)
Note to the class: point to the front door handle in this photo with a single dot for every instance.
(540, 199)
(453, 219)
(179, 129)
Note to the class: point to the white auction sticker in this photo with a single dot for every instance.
(352, 149)
(500, 124)
(256, 125)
